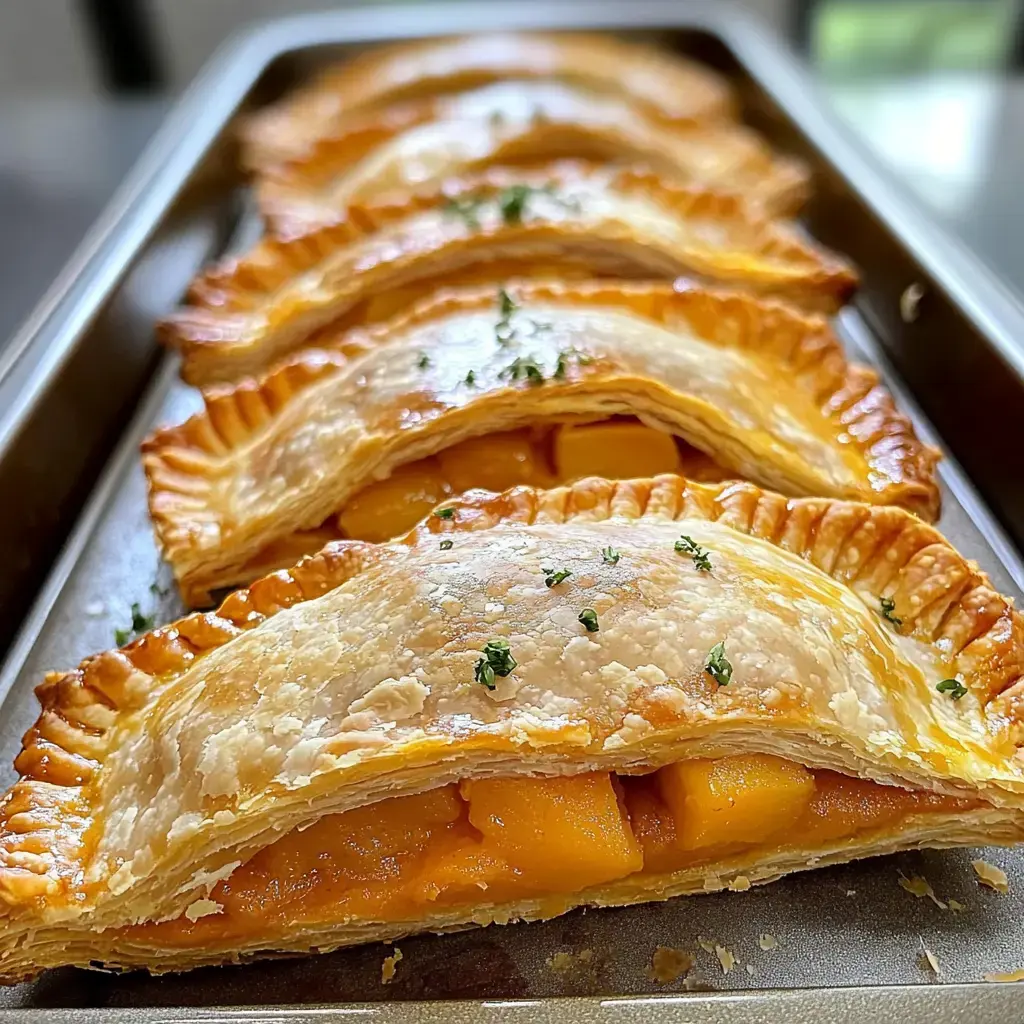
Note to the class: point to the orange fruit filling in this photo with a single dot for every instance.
(617, 449)
(499, 840)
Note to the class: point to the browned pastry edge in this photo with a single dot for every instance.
(220, 298)
(940, 597)
(180, 461)
(785, 187)
(687, 91)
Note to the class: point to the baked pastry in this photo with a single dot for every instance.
(595, 695)
(488, 387)
(514, 123)
(661, 86)
(566, 221)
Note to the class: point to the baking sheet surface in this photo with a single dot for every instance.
(842, 926)
(850, 925)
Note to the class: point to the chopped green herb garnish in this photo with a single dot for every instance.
(589, 619)
(446, 545)
(610, 555)
(506, 304)
(467, 209)
(888, 607)
(444, 513)
(470, 379)
(553, 577)
(687, 546)
(524, 368)
(512, 202)
(424, 361)
(497, 661)
(503, 329)
(567, 354)
(953, 687)
(717, 665)
(156, 589)
(140, 623)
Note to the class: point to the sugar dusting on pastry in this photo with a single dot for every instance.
(990, 876)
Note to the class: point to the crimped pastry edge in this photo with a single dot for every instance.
(876, 551)
(211, 331)
(688, 91)
(180, 462)
(284, 189)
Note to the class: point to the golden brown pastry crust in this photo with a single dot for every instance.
(661, 86)
(247, 312)
(151, 770)
(412, 145)
(768, 394)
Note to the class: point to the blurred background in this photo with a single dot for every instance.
(935, 88)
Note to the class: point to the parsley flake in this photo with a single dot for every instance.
(589, 619)
(953, 687)
(610, 556)
(553, 577)
(512, 202)
(470, 379)
(446, 545)
(564, 357)
(497, 661)
(888, 606)
(140, 623)
(717, 665)
(687, 546)
(157, 590)
(467, 209)
(503, 329)
(424, 361)
(523, 368)
(444, 513)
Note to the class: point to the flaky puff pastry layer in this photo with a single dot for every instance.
(568, 220)
(410, 145)
(155, 770)
(661, 86)
(764, 390)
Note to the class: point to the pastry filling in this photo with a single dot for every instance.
(549, 456)
(505, 840)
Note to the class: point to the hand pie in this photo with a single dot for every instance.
(565, 222)
(541, 383)
(521, 123)
(595, 695)
(662, 87)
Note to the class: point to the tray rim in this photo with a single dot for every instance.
(52, 330)
(882, 1004)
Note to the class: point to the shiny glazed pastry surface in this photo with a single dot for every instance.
(411, 145)
(662, 87)
(762, 390)
(565, 222)
(688, 624)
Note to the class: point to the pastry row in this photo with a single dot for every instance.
(579, 565)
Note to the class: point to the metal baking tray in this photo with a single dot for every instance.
(69, 383)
